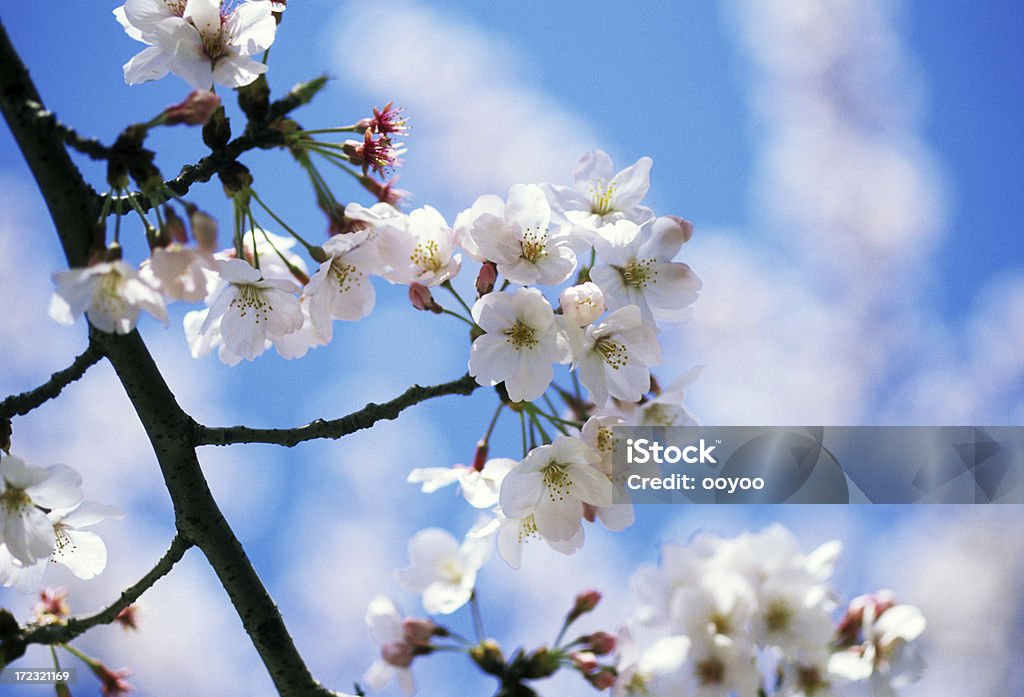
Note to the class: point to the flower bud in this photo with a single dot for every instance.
(173, 228)
(422, 299)
(541, 664)
(686, 225)
(480, 456)
(585, 602)
(487, 654)
(129, 617)
(204, 229)
(52, 607)
(417, 631)
(603, 679)
(585, 661)
(304, 92)
(397, 653)
(486, 278)
(582, 304)
(600, 642)
(195, 110)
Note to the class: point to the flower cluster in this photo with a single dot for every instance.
(202, 41)
(42, 518)
(757, 600)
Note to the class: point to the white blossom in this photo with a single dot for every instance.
(418, 248)
(582, 304)
(552, 483)
(81, 551)
(614, 356)
(385, 624)
(251, 309)
(514, 533)
(443, 570)
(479, 487)
(636, 267)
(638, 673)
(341, 288)
(111, 294)
(25, 490)
(521, 342)
(519, 239)
(179, 272)
(201, 41)
(600, 196)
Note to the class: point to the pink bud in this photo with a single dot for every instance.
(601, 643)
(422, 299)
(480, 456)
(175, 226)
(397, 653)
(128, 617)
(204, 229)
(686, 225)
(584, 661)
(418, 631)
(585, 602)
(486, 278)
(602, 680)
(196, 110)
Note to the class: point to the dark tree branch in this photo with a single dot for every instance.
(76, 626)
(74, 208)
(21, 404)
(335, 428)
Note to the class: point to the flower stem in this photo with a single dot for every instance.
(280, 222)
(478, 622)
(494, 420)
(447, 285)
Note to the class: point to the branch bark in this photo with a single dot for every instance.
(74, 208)
(334, 428)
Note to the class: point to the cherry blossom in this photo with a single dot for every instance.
(519, 240)
(638, 673)
(582, 304)
(420, 251)
(600, 196)
(81, 551)
(251, 309)
(111, 294)
(386, 628)
(479, 487)
(514, 533)
(179, 272)
(521, 342)
(636, 268)
(341, 288)
(614, 357)
(552, 484)
(25, 490)
(199, 40)
(443, 570)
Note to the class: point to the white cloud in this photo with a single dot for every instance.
(481, 123)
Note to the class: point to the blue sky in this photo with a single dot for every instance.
(829, 298)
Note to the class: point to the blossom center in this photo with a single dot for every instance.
(638, 273)
(534, 243)
(345, 275)
(710, 671)
(777, 616)
(250, 299)
(64, 543)
(109, 300)
(522, 336)
(557, 481)
(177, 7)
(604, 439)
(14, 500)
(427, 256)
(527, 529)
(637, 685)
(601, 195)
(612, 352)
(450, 569)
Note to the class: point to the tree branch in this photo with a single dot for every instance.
(335, 428)
(74, 208)
(76, 626)
(21, 404)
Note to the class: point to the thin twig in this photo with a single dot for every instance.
(334, 428)
(21, 404)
